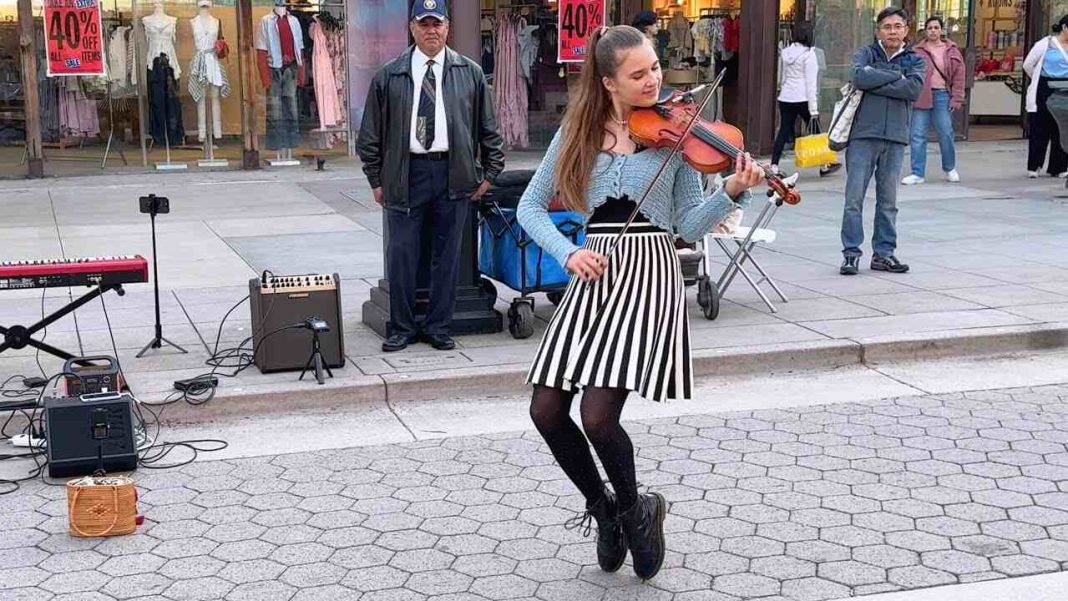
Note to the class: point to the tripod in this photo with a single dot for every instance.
(153, 205)
(316, 360)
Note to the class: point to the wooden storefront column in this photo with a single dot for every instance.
(248, 78)
(28, 51)
(757, 76)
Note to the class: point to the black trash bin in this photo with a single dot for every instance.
(1058, 107)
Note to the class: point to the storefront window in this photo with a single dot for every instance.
(1052, 11)
(12, 99)
(840, 27)
(301, 61)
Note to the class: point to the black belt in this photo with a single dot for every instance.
(431, 156)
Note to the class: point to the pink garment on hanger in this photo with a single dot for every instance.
(326, 97)
(509, 87)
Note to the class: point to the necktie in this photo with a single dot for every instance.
(425, 117)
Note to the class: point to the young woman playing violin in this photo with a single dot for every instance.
(621, 326)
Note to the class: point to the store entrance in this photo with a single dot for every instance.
(696, 40)
(993, 49)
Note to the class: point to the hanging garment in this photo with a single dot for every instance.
(205, 68)
(679, 28)
(117, 71)
(48, 93)
(702, 39)
(510, 91)
(160, 32)
(326, 98)
(78, 116)
(732, 34)
(283, 127)
(335, 47)
(165, 110)
(528, 50)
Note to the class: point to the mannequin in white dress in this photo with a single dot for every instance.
(160, 30)
(207, 76)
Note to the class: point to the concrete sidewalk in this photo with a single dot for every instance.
(988, 275)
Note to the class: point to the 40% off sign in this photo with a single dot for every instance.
(74, 38)
(578, 19)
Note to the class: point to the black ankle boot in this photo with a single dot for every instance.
(643, 525)
(611, 546)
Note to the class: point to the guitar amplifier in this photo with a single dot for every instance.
(83, 433)
(278, 302)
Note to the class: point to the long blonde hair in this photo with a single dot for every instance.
(583, 129)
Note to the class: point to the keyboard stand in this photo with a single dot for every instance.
(16, 337)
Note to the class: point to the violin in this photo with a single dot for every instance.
(713, 146)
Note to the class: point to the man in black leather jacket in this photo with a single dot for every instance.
(429, 145)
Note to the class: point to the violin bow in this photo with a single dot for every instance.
(663, 165)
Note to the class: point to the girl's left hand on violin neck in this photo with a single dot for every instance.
(747, 173)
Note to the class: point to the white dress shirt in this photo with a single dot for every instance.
(441, 130)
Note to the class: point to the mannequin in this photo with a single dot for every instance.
(207, 75)
(280, 46)
(160, 29)
(165, 109)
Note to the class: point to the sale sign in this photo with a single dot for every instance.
(577, 20)
(74, 38)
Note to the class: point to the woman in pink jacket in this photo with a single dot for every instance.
(943, 93)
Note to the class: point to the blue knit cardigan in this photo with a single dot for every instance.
(677, 204)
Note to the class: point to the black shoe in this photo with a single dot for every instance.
(396, 342)
(441, 342)
(891, 264)
(850, 266)
(643, 525)
(611, 546)
(829, 169)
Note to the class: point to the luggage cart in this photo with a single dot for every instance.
(508, 255)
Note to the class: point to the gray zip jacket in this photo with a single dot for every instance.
(474, 145)
(890, 86)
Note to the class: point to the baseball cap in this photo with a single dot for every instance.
(422, 9)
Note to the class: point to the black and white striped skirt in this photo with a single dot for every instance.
(627, 330)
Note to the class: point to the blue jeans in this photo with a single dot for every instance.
(942, 119)
(864, 158)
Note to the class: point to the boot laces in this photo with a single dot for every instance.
(583, 522)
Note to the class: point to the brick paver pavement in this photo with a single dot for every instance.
(802, 504)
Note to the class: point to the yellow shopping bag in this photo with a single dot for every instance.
(813, 151)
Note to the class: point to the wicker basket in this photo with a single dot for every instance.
(102, 506)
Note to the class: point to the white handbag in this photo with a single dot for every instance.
(845, 110)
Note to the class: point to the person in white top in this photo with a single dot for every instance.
(799, 68)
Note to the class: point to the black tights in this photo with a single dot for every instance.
(600, 410)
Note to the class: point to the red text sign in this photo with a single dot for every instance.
(578, 19)
(73, 37)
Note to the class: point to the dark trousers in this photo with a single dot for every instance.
(788, 114)
(429, 200)
(1045, 133)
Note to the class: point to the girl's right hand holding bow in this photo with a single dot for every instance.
(586, 264)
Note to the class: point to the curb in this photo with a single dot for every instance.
(509, 379)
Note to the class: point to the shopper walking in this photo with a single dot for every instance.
(799, 72)
(891, 76)
(943, 93)
(1046, 62)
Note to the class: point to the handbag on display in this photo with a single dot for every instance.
(222, 49)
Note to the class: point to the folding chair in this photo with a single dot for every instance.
(745, 239)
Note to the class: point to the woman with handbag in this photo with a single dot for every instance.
(1049, 58)
(943, 93)
(799, 70)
